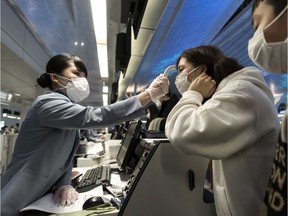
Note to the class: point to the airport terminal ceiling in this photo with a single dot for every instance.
(180, 24)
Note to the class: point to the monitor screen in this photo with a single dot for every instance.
(129, 144)
(119, 131)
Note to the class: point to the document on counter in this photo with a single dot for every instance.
(94, 148)
(47, 204)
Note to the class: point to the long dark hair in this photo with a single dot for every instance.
(57, 64)
(217, 64)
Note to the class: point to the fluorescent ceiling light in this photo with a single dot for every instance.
(10, 116)
(9, 97)
(105, 89)
(102, 58)
(105, 99)
(99, 8)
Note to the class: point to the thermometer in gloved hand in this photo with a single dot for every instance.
(169, 69)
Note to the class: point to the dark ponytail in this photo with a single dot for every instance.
(44, 81)
(56, 65)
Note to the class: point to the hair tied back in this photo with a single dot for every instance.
(44, 80)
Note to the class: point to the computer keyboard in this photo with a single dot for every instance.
(94, 177)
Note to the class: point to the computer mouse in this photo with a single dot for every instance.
(95, 201)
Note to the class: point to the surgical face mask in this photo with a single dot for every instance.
(272, 57)
(182, 82)
(77, 89)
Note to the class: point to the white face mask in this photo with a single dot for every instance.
(272, 57)
(77, 89)
(182, 82)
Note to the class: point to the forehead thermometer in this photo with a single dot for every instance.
(169, 69)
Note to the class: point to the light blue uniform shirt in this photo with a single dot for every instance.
(45, 147)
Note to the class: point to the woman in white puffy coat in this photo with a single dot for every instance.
(226, 114)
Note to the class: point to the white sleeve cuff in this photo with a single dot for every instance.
(193, 95)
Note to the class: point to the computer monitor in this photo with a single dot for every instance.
(128, 147)
(119, 131)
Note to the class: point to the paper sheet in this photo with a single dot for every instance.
(47, 204)
(94, 148)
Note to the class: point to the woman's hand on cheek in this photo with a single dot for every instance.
(203, 84)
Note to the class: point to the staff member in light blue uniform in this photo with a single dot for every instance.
(49, 136)
(226, 114)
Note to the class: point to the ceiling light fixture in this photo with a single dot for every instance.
(105, 99)
(10, 116)
(9, 97)
(105, 89)
(99, 15)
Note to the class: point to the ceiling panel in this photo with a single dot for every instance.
(14, 28)
(186, 24)
(20, 87)
(153, 14)
(168, 27)
(57, 25)
(144, 35)
(22, 75)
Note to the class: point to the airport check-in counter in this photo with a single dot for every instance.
(164, 182)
